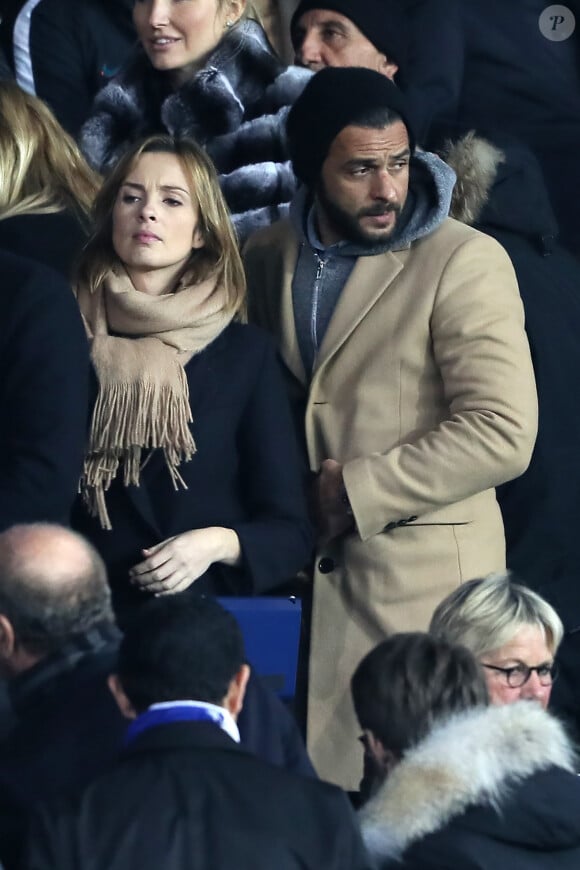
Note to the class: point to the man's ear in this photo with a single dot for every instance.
(7, 638)
(384, 758)
(123, 703)
(387, 67)
(234, 700)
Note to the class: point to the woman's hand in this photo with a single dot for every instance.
(176, 563)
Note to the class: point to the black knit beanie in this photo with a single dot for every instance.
(381, 21)
(333, 99)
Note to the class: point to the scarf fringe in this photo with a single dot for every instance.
(127, 419)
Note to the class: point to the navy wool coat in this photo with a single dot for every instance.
(44, 374)
(246, 475)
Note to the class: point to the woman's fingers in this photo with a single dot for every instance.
(179, 586)
(176, 563)
(149, 572)
(150, 551)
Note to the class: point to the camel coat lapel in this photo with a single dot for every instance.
(287, 337)
(367, 282)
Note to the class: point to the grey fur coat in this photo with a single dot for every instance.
(235, 107)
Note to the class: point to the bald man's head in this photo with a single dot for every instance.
(53, 586)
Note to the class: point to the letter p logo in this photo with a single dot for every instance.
(557, 23)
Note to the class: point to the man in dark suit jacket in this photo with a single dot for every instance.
(184, 794)
(44, 370)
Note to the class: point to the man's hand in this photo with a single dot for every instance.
(331, 509)
(176, 563)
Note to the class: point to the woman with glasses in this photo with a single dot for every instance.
(511, 630)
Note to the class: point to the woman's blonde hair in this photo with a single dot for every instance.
(219, 255)
(485, 614)
(41, 168)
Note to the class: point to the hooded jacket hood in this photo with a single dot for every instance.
(427, 206)
(475, 760)
(500, 186)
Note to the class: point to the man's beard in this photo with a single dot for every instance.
(348, 226)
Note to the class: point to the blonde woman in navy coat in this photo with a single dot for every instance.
(192, 478)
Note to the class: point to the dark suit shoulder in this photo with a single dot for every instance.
(41, 281)
(204, 767)
(39, 300)
(53, 239)
(39, 303)
(16, 269)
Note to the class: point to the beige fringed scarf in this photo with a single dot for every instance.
(143, 399)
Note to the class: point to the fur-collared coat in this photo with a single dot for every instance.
(235, 107)
(490, 789)
(501, 191)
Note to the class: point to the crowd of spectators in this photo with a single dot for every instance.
(278, 328)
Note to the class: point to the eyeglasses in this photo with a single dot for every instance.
(518, 675)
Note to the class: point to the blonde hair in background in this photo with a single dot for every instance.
(220, 254)
(41, 168)
(484, 614)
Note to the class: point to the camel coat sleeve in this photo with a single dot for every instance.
(480, 348)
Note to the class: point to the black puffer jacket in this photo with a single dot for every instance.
(235, 107)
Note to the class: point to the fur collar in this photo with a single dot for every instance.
(242, 81)
(475, 161)
(500, 187)
(472, 758)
